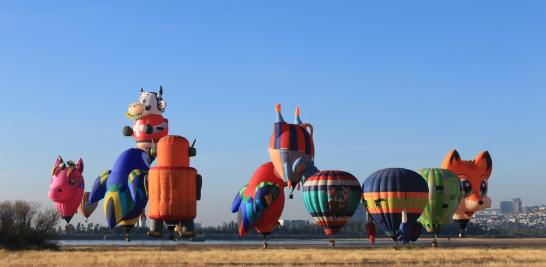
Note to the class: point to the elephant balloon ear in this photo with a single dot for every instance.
(451, 159)
(79, 166)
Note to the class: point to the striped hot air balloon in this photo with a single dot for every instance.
(395, 198)
(444, 197)
(332, 197)
(288, 143)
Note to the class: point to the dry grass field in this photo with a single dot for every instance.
(479, 254)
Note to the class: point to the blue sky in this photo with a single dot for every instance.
(384, 85)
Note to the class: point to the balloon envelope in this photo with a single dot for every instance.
(444, 198)
(260, 203)
(332, 197)
(390, 192)
(87, 208)
(66, 188)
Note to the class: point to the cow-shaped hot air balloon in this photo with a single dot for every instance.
(123, 189)
(444, 198)
(395, 198)
(149, 125)
(67, 186)
(260, 203)
(288, 144)
(474, 176)
(173, 186)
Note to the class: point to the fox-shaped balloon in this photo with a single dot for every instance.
(474, 176)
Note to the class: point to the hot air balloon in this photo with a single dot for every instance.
(444, 198)
(123, 189)
(173, 186)
(474, 177)
(149, 126)
(332, 197)
(260, 203)
(66, 188)
(395, 198)
(288, 143)
(87, 208)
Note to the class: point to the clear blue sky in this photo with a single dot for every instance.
(385, 85)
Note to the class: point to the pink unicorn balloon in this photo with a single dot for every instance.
(67, 186)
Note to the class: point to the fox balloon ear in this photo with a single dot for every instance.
(484, 161)
(451, 159)
(79, 166)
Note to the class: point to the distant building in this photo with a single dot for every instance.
(506, 207)
(516, 206)
(291, 224)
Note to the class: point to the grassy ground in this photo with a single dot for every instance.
(478, 254)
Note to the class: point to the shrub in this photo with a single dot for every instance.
(25, 225)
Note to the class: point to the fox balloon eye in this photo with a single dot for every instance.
(483, 188)
(466, 187)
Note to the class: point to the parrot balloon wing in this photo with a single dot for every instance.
(99, 187)
(237, 200)
(266, 194)
(135, 184)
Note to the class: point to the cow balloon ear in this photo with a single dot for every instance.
(162, 105)
(79, 166)
(484, 161)
(451, 159)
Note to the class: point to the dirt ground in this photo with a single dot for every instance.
(467, 252)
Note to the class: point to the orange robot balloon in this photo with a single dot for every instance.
(173, 186)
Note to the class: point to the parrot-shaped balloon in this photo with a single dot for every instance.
(260, 203)
(123, 189)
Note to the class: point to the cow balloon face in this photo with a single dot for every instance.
(474, 176)
(291, 144)
(148, 103)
